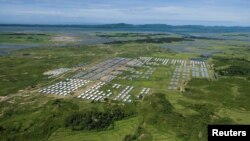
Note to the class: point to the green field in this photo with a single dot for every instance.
(121, 129)
(163, 115)
(24, 38)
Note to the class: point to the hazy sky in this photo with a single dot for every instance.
(175, 12)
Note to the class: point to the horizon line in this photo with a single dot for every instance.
(99, 24)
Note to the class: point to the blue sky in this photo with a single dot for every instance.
(174, 12)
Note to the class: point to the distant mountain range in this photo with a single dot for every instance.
(148, 27)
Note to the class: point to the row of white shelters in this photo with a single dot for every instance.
(143, 92)
(94, 93)
(124, 95)
(195, 71)
(204, 72)
(145, 59)
(64, 87)
(175, 78)
(117, 86)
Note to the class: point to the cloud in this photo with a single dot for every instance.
(191, 12)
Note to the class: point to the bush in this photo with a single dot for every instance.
(235, 71)
(95, 120)
(130, 138)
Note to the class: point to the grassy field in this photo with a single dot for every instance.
(121, 129)
(163, 115)
(25, 67)
(158, 80)
(24, 38)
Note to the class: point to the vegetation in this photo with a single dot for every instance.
(233, 66)
(95, 120)
(26, 115)
(151, 40)
(20, 71)
(54, 114)
(38, 124)
(24, 38)
(146, 35)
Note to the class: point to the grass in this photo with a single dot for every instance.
(24, 38)
(19, 70)
(121, 129)
(160, 136)
(158, 80)
(27, 115)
